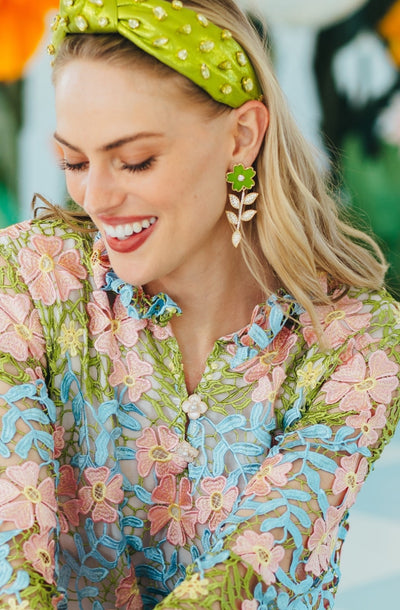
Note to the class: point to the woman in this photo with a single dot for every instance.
(190, 405)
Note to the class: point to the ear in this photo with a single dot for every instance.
(250, 125)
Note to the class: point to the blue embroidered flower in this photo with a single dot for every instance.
(280, 308)
(159, 308)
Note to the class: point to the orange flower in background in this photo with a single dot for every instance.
(389, 28)
(22, 26)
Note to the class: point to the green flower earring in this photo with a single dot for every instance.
(241, 180)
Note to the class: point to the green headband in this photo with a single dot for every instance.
(179, 37)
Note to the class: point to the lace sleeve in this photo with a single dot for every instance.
(280, 546)
(27, 469)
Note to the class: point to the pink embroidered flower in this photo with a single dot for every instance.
(276, 353)
(54, 601)
(355, 384)
(350, 477)
(58, 438)
(260, 317)
(266, 388)
(157, 448)
(270, 472)
(22, 499)
(100, 263)
(112, 327)
(21, 333)
(338, 321)
(368, 425)
(127, 593)
(178, 513)
(249, 605)
(39, 550)
(357, 344)
(322, 541)
(160, 332)
(217, 504)
(259, 551)
(14, 231)
(49, 271)
(132, 376)
(36, 374)
(70, 509)
(100, 494)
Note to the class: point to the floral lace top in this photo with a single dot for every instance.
(118, 490)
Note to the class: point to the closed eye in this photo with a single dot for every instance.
(73, 167)
(138, 167)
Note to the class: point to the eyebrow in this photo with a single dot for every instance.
(112, 145)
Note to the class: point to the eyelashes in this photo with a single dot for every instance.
(72, 167)
(139, 167)
(80, 167)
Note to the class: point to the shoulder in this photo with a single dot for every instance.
(48, 256)
(51, 236)
(358, 314)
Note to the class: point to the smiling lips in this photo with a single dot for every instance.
(128, 237)
(123, 231)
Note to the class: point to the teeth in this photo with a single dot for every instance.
(126, 230)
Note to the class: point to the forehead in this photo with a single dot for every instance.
(96, 91)
(102, 101)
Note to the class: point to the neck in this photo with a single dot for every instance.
(216, 300)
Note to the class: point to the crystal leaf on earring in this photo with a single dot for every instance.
(234, 201)
(250, 198)
(248, 214)
(232, 217)
(236, 238)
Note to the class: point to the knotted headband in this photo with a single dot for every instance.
(179, 37)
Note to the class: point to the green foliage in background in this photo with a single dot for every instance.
(373, 183)
(10, 122)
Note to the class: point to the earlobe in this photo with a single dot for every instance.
(251, 123)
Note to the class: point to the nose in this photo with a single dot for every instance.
(101, 192)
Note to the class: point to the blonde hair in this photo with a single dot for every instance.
(297, 232)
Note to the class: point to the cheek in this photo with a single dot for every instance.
(75, 187)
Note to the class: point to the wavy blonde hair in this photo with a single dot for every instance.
(297, 232)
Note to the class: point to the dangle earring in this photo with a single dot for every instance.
(241, 180)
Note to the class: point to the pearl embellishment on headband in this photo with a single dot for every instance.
(177, 36)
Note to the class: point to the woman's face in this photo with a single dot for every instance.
(148, 166)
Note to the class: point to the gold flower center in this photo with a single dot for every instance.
(263, 555)
(94, 259)
(70, 336)
(267, 358)
(46, 264)
(44, 557)
(159, 454)
(351, 480)
(115, 326)
(216, 501)
(130, 381)
(23, 331)
(32, 494)
(99, 491)
(174, 512)
(335, 315)
(365, 385)
(265, 471)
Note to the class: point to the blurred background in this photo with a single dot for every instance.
(338, 62)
